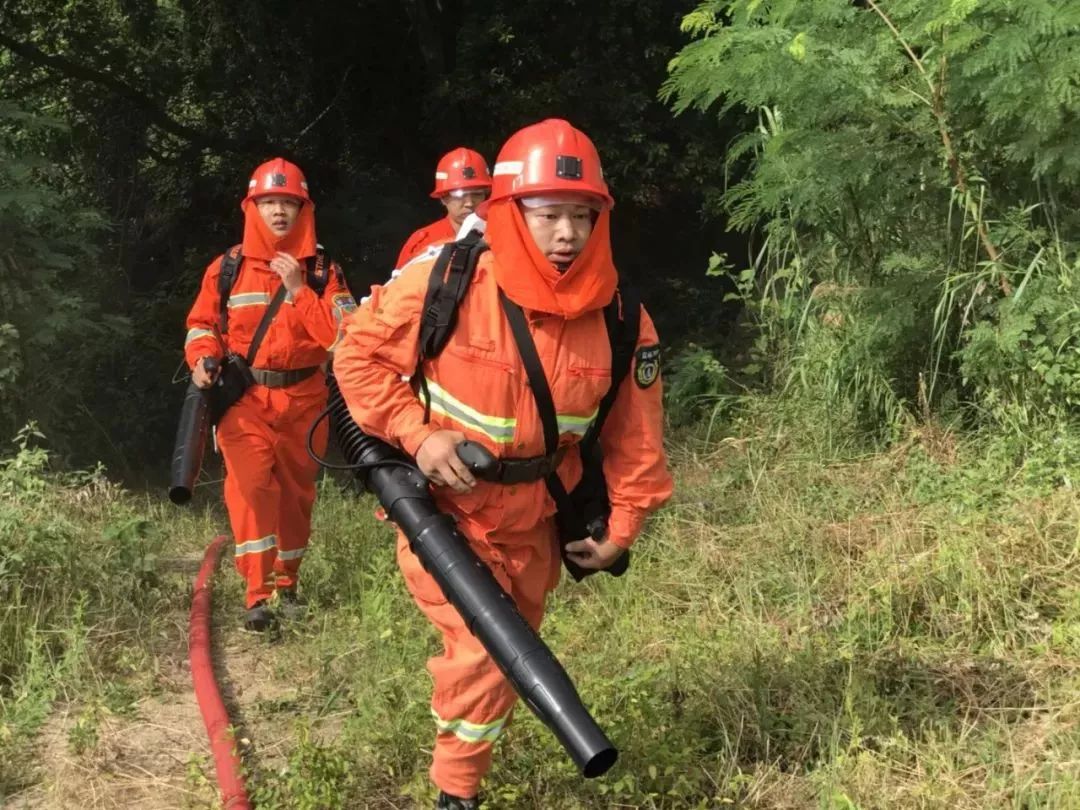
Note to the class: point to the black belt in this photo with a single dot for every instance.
(282, 379)
(509, 470)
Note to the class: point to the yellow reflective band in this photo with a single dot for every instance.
(471, 732)
(499, 429)
(195, 334)
(295, 554)
(577, 425)
(249, 300)
(256, 546)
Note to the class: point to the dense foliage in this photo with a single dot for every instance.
(152, 115)
(911, 183)
(51, 297)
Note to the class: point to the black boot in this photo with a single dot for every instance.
(448, 802)
(260, 619)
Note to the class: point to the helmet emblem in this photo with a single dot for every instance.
(568, 167)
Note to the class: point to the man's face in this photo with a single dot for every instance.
(560, 231)
(457, 208)
(279, 212)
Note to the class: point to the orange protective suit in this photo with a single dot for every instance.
(478, 386)
(434, 234)
(270, 479)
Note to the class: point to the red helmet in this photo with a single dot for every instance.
(548, 157)
(278, 176)
(461, 168)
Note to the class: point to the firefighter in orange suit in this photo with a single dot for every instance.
(548, 227)
(270, 479)
(462, 182)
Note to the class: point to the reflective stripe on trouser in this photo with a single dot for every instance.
(471, 700)
(270, 481)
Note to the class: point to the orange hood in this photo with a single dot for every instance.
(531, 281)
(262, 243)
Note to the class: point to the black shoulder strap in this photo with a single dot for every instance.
(447, 285)
(569, 515)
(534, 370)
(622, 329)
(318, 270)
(264, 324)
(623, 320)
(230, 269)
(449, 281)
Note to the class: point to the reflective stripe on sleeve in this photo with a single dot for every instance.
(195, 334)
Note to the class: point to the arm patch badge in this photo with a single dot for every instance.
(344, 301)
(647, 365)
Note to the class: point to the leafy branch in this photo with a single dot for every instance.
(70, 69)
(937, 107)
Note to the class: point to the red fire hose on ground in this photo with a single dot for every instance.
(215, 717)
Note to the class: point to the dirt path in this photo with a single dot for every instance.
(149, 757)
(154, 755)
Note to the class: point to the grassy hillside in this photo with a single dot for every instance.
(798, 630)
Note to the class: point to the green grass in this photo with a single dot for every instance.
(895, 630)
(898, 630)
(87, 601)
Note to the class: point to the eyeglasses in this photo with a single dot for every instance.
(473, 193)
